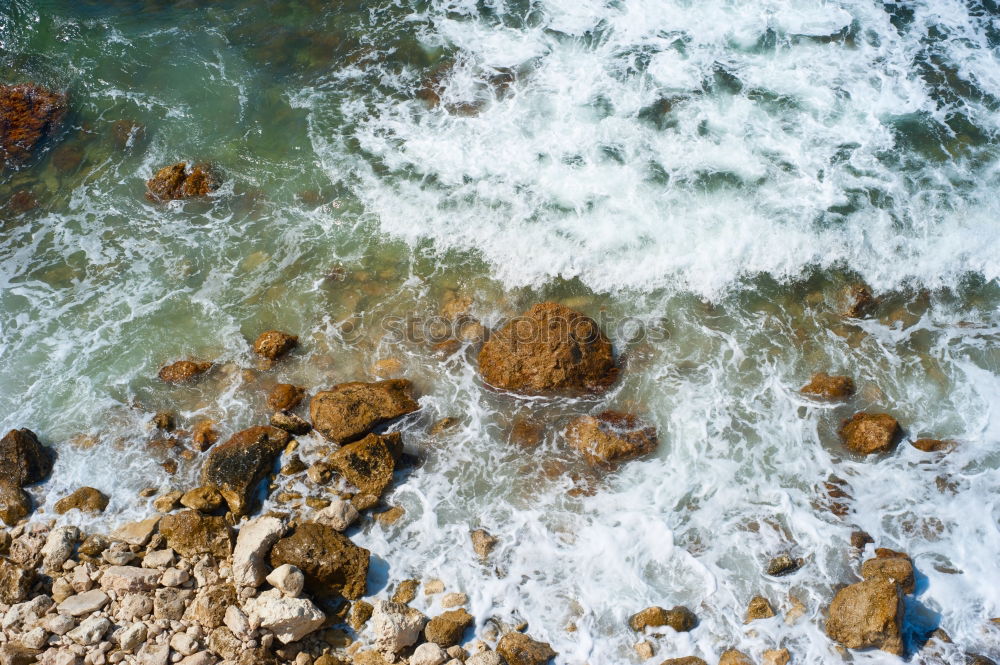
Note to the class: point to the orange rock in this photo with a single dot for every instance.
(611, 437)
(867, 433)
(829, 387)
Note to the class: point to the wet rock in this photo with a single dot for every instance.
(127, 133)
(290, 619)
(183, 371)
(395, 626)
(285, 397)
(349, 411)
(274, 344)
(867, 433)
(202, 499)
(359, 615)
(15, 504)
(22, 201)
(23, 459)
(679, 618)
(164, 420)
(368, 464)
(85, 499)
(483, 543)
(67, 158)
(29, 114)
(685, 660)
(189, 533)
(734, 657)
(15, 582)
(889, 565)
(136, 533)
(203, 436)
(405, 592)
(177, 182)
(519, 649)
(867, 614)
(759, 608)
(253, 545)
(831, 388)
(446, 629)
(933, 445)
(859, 539)
(329, 560)
(611, 437)
(548, 349)
(783, 564)
(290, 422)
(339, 514)
(856, 301)
(776, 657)
(237, 466)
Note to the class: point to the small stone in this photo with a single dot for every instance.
(679, 618)
(644, 650)
(428, 653)
(759, 608)
(90, 631)
(320, 473)
(933, 445)
(253, 544)
(203, 437)
(131, 637)
(868, 433)
(129, 579)
(158, 558)
(359, 615)
(58, 547)
(237, 622)
(289, 619)
(831, 388)
(168, 502)
(184, 644)
(783, 564)
(432, 587)
(137, 533)
(287, 579)
(35, 638)
(174, 577)
(405, 592)
(859, 539)
(483, 543)
(84, 603)
(183, 371)
(274, 344)
(447, 629)
(395, 627)
(391, 516)
(133, 606)
(291, 423)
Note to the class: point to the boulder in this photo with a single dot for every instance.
(447, 628)
(23, 459)
(679, 618)
(15, 504)
(368, 464)
(395, 626)
(15, 582)
(29, 114)
(867, 614)
(273, 344)
(177, 182)
(759, 608)
(348, 411)
(58, 547)
(290, 619)
(548, 349)
(328, 559)
(830, 388)
(183, 371)
(202, 499)
(190, 534)
(889, 565)
(611, 437)
(237, 466)
(519, 649)
(85, 499)
(253, 545)
(285, 397)
(867, 433)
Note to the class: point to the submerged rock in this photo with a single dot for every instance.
(867, 614)
(285, 397)
(783, 564)
(368, 464)
(831, 388)
(183, 371)
(273, 344)
(29, 114)
(330, 562)
(856, 301)
(349, 411)
(85, 499)
(548, 349)
(519, 649)
(867, 433)
(933, 445)
(611, 437)
(237, 466)
(177, 182)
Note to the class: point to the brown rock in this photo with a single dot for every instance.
(15, 582)
(183, 371)
(867, 433)
(177, 182)
(204, 435)
(684, 660)
(330, 562)
(191, 534)
(225, 644)
(611, 437)
(548, 349)
(285, 397)
(127, 133)
(856, 301)
(28, 114)
(889, 565)
(405, 592)
(210, 605)
(859, 539)
(734, 657)
(15, 504)
(519, 649)
(164, 420)
(361, 612)
(22, 201)
(290, 422)
(367, 464)
(776, 657)
(446, 629)
(273, 344)
(867, 614)
(759, 608)
(933, 445)
(348, 411)
(679, 618)
(202, 499)
(828, 387)
(390, 516)
(782, 565)
(483, 543)
(85, 499)
(168, 502)
(23, 459)
(237, 466)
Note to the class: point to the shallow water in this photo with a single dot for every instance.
(716, 172)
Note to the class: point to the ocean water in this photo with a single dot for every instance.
(705, 178)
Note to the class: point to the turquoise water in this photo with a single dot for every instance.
(715, 171)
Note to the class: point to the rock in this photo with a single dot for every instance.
(253, 544)
(15, 582)
(405, 592)
(734, 657)
(446, 629)
(58, 547)
(367, 464)
(428, 653)
(84, 603)
(90, 631)
(285, 397)
(349, 411)
(15, 504)
(93, 545)
(287, 579)
(189, 533)
(203, 437)
(611, 437)
(177, 182)
(359, 615)
(867, 433)
(483, 543)
(395, 626)
(454, 600)
(158, 558)
(759, 608)
(329, 560)
(202, 499)
(184, 644)
(131, 637)
(85, 499)
(290, 422)
(237, 466)
(776, 657)
(859, 539)
(856, 301)
(169, 604)
(933, 445)
(783, 564)
(129, 579)
(892, 566)
(679, 618)
(183, 371)
(519, 649)
(339, 515)
(273, 344)
(134, 606)
(164, 420)
(223, 642)
(237, 622)
(153, 654)
(481, 658)
(168, 502)
(548, 349)
(137, 533)
(29, 114)
(23, 459)
(34, 639)
(290, 619)
(58, 624)
(210, 604)
(686, 660)
(831, 388)
(17, 654)
(867, 614)
(200, 658)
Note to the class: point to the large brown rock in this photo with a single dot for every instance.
(890, 565)
(191, 534)
(28, 114)
(447, 629)
(368, 464)
(349, 411)
(272, 344)
(285, 397)
(611, 437)
(549, 349)
(831, 388)
(519, 649)
(177, 182)
(23, 459)
(183, 371)
(85, 499)
(867, 433)
(15, 582)
(330, 561)
(679, 618)
(15, 504)
(867, 614)
(237, 466)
